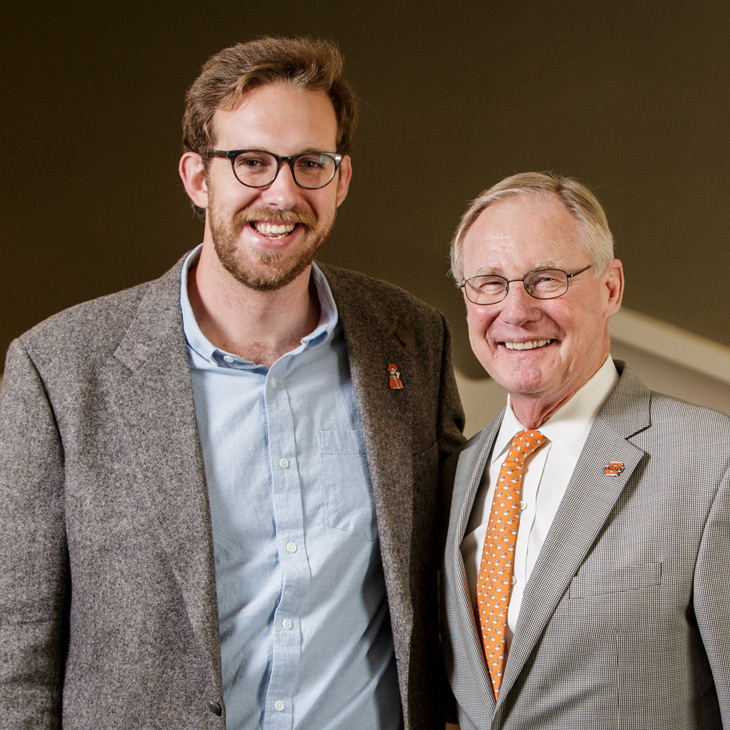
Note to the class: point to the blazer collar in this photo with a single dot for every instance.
(472, 461)
(375, 341)
(154, 402)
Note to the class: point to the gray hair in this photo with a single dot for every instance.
(596, 241)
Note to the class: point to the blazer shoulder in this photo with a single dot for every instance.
(688, 419)
(663, 424)
(95, 327)
(358, 289)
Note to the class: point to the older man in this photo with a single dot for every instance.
(585, 575)
(217, 503)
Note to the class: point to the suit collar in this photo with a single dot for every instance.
(156, 330)
(628, 408)
(374, 342)
(155, 404)
(472, 462)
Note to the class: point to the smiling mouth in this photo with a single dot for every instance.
(530, 345)
(273, 230)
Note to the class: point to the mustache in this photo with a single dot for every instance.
(272, 215)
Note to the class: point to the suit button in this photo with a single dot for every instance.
(215, 708)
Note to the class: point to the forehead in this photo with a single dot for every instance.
(521, 233)
(278, 116)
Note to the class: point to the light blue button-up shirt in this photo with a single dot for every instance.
(304, 626)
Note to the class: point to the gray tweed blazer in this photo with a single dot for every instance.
(108, 615)
(625, 622)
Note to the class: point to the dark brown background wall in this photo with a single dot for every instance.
(632, 97)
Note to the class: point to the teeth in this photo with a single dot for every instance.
(273, 230)
(531, 345)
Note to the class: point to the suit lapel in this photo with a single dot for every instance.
(586, 506)
(473, 460)
(155, 404)
(374, 342)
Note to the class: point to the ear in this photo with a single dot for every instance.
(192, 174)
(614, 282)
(343, 179)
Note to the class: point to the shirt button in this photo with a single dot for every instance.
(287, 624)
(514, 580)
(227, 358)
(279, 706)
(291, 547)
(272, 382)
(284, 463)
(523, 505)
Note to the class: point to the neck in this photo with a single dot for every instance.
(532, 413)
(534, 409)
(259, 326)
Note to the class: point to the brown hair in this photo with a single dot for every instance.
(304, 63)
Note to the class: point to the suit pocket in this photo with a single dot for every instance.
(631, 578)
(348, 492)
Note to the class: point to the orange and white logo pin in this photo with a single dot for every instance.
(395, 381)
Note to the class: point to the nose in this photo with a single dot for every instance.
(518, 307)
(283, 192)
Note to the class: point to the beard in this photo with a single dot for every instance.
(265, 270)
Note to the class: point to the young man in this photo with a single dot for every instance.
(217, 508)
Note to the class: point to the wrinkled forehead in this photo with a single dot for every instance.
(522, 233)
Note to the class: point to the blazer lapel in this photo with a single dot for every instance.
(375, 341)
(587, 504)
(473, 461)
(155, 404)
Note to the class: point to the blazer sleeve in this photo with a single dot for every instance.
(712, 594)
(33, 552)
(451, 414)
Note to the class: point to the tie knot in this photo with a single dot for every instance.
(525, 443)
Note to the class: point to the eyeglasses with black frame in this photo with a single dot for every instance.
(259, 168)
(539, 284)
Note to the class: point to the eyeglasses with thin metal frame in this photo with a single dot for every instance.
(259, 168)
(539, 284)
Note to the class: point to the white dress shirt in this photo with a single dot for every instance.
(546, 476)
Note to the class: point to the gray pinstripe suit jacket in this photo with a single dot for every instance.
(108, 615)
(625, 622)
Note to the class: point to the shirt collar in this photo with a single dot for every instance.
(328, 316)
(569, 426)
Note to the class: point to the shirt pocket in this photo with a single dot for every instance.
(347, 490)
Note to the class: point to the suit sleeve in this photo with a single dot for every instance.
(33, 554)
(712, 594)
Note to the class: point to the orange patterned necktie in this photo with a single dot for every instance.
(494, 585)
